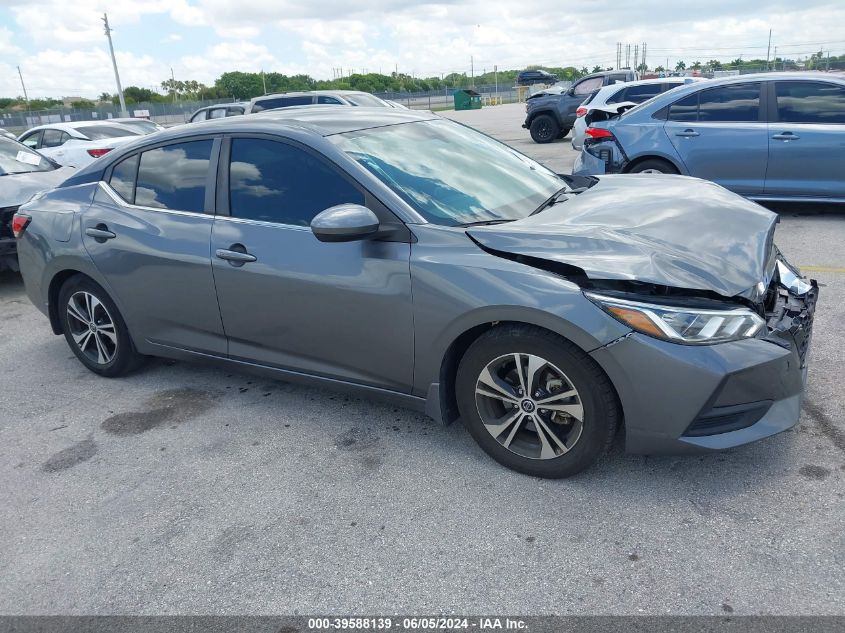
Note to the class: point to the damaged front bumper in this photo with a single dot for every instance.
(692, 399)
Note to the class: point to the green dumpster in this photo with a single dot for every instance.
(467, 100)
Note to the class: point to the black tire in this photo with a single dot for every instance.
(601, 413)
(563, 133)
(653, 165)
(544, 129)
(109, 339)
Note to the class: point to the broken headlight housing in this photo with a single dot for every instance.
(690, 326)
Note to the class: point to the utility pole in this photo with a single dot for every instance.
(123, 111)
(264, 81)
(496, 76)
(768, 49)
(775, 59)
(472, 71)
(636, 55)
(25, 97)
(173, 83)
(645, 68)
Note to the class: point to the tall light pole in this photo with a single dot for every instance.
(25, 97)
(123, 111)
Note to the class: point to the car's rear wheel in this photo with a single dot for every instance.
(94, 328)
(535, 402)
(653, 166)
(563, 133)
(544, 129)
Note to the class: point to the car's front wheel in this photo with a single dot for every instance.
(535, 402)
(94, 328)
(544, 129)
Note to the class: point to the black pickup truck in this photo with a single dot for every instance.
(550, 116)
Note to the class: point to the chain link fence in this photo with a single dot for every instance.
(178, 112)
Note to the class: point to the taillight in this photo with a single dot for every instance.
(19, 223)
(597, 132)
(100, 151)
(580, 112)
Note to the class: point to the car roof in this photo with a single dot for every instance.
(242, 104)
(604, 90)
(322, 120)
(302, 93)
(76, 126)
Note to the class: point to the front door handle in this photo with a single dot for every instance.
(688, 133)
(786, 136)
(236, 255)
(100, 233)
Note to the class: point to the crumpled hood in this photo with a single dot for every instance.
(666, 230)
(15, 189)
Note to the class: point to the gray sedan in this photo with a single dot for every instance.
(776, 136)
(23, 174)
(398, 255)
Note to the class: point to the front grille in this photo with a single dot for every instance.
(6, 214)
(725, 419)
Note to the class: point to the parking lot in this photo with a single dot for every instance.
(187, 489)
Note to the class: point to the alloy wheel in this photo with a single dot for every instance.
(529, 406)
(92, 327)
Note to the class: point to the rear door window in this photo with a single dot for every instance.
(684, 110)
(217, 113)
(737, 103)
(199, 116)
(638, 94)
(810, 102)
(325, 99)
(174, 176)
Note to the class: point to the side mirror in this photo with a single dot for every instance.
(345, 223)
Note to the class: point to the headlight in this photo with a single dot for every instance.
(682, 325)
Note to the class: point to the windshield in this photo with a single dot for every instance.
(16, 158)
(365, 100)
(100, 132)
(451, 174)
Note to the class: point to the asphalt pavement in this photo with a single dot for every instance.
(186, 489)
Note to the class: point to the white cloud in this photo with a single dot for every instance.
(61, 46)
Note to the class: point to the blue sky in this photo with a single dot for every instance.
(62, 51)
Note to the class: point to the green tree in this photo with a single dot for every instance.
(714, 64)
(696, 65)
(596, 69)
(680, 65)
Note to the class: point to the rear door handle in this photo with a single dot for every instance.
(786, 136)
(687, 133)
(100, 233)
(236, 255)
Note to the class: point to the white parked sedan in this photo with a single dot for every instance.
(77, 143)
(618, 93)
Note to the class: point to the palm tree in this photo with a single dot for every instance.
(696, 66)
(714, 64)
(680, 65)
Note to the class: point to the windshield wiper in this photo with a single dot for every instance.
(556, 197)
(485, 222)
